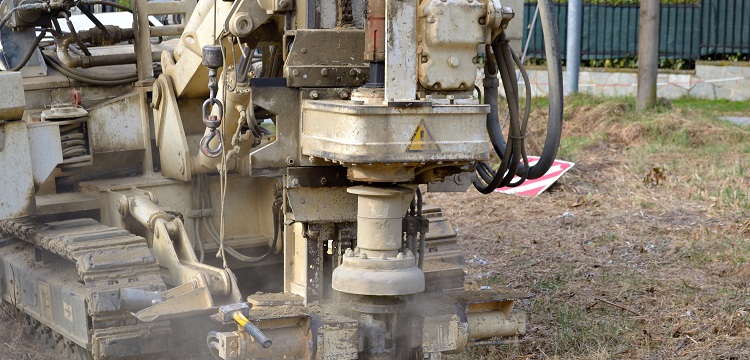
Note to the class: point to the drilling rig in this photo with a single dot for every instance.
(260, 163)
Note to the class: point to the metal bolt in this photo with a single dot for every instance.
(353, 72)
(363, 256)
(323, 180)
(233, 344)
(283, 4)
(295, 182)
(382, 257)
(302, 200)
(400, 256)
(314, 95)
(482, 21)
(453, 61)
(324, 72)
(303, 50)
(295, 72)
(424, 59)
(343, 94)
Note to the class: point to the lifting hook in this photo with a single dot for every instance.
(212, 122)
(213, 59)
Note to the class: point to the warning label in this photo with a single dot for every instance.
(421, 140)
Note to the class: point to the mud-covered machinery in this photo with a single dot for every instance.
(258, 162)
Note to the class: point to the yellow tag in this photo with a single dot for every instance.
(421, 140)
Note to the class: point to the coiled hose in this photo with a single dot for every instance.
(512, 153)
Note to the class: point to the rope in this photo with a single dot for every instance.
(223, 170)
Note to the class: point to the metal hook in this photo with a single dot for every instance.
(206, 142)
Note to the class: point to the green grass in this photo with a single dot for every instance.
(714, 107)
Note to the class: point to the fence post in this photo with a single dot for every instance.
(648, 53)
(573, 53)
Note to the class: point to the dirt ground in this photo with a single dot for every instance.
(640, 251)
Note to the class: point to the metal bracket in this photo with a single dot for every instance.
(328, 176)
(191, 298)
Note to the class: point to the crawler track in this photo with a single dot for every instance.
(106, 259)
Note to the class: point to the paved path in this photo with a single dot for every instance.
(739, 120)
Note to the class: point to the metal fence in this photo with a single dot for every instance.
(689, 30)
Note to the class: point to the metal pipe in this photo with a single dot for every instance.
(490, 324)
(573, 53)
(82, 61)
(166, 30)
(144, 61)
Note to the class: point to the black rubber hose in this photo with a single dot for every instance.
(514, 160)
(88, 80)
(515, 138)
(510, 155)
(554, 69)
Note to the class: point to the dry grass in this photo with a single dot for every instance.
(623, 267)
(14, 341)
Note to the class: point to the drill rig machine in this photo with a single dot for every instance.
(160, 172)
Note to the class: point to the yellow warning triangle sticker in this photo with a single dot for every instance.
(421, 140)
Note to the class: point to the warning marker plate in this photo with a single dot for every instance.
(421, 140)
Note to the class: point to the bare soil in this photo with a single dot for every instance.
(640, 251)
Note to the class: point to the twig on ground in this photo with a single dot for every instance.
(597, 300)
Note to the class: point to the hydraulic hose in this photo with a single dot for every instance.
(554, 69)
(99, 81)
(514, 160)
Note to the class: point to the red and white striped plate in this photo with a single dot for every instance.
(531, 188)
